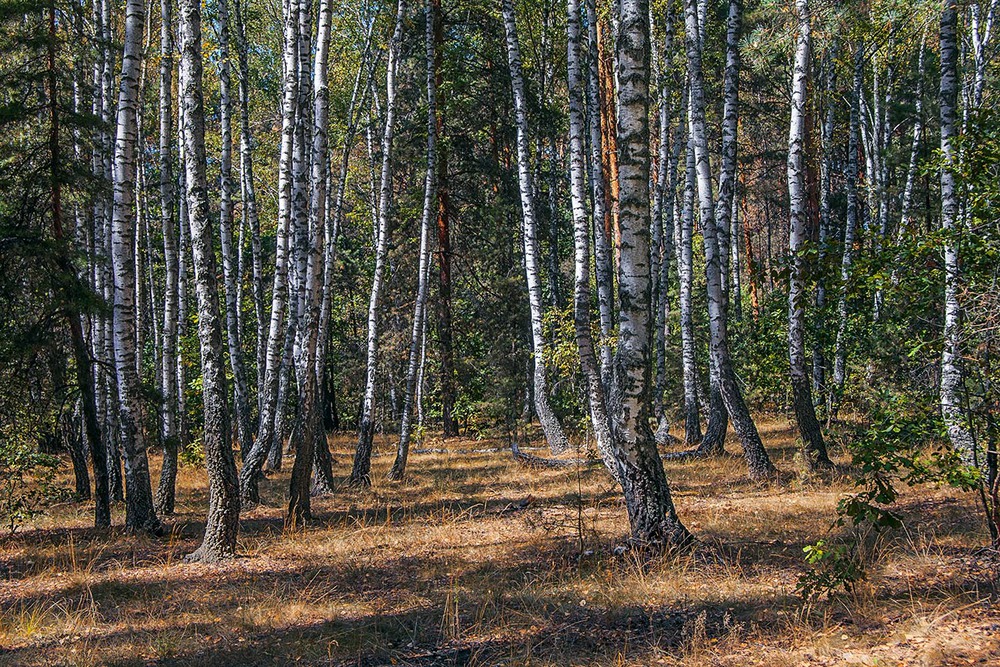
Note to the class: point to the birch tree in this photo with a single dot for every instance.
(168, 384)
(652, 516)
(254, 461)
(550, 423)
(241, 392)
(953, 409)
(430, 205)
(596, 397)
(850, 230)
(713, 219)
(360, 473)
(805, 412)
(222, 522)
(139, 512)
(310, 421)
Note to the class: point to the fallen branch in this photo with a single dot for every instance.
(539, 462)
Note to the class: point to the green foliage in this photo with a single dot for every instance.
(193, 454)
(901, 445)
(26, 480)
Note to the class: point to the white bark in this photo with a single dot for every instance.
(168, 385)
(222, 522)
(427, 220)
(140, 514)
(850, 229)
(241, 391)
(953, 409)
(581, 243)
(652, 516)
(360, 473)
(550, 423)
(254, 461)
(805, 412)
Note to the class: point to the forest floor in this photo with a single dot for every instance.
(478, 560)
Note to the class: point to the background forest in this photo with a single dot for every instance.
(275, 277)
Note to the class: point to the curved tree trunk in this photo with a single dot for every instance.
(714, 219)
(652, 516)
(223, 520)
(360, 473)
(581, 244)
(550, 423)
(139, 511)
(805, 412)
(310, 419)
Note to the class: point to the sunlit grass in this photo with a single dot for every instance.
(476, 560)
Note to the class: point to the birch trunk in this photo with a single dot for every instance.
(953, 409)
(139, 512)
(652, 516)
(581, 243)
(299, 509)
(223, 520)
(323, 482)
(805, 412)
(550, 423)
(360, 473)
(241, 392)
(430, 204)
(254, 461)
(604, 269)
(662, 226)
(714, 219)
(850, 229)
(249, 195)
(825, 225)
(906, 206)
(685, 271)
(168, 365)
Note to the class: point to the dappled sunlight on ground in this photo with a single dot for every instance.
(477, 560)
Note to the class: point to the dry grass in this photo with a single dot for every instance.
(446, 568)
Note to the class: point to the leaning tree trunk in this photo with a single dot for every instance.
(953, 409)
(581, 243)
(850, 229)
(805, 412)
(139, 511)
(716, 218)
(430, 206)
(254, 461)
(360, 473)
(652, 516)
(310, 422)
(223, 520)
(168, 364)
(550, 423)
(241, 392)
